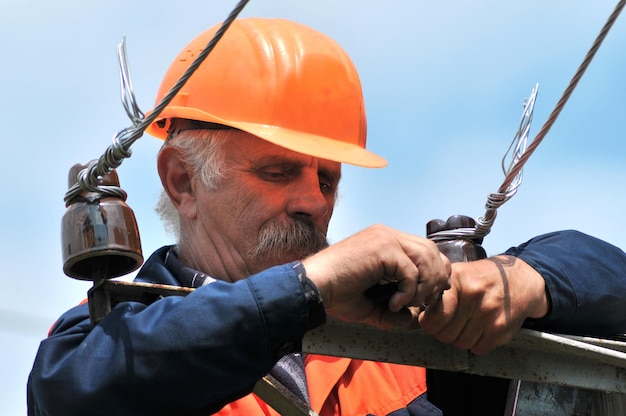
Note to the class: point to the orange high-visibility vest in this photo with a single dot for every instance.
(347, 387)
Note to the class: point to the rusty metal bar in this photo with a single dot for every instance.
(105, 294)
(530, 355)
(583, 362)
(280, 398)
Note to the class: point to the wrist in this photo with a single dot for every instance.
(528, 281)
(315, 303)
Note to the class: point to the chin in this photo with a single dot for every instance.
(279, 260)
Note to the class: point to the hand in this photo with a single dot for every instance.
(343, 271)
(487, 303)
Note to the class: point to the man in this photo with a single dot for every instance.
(250, 169)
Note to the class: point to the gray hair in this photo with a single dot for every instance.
(203, 151)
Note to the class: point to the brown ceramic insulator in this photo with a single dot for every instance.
(99, 233)
(460, 249)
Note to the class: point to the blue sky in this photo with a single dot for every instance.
(444, 84)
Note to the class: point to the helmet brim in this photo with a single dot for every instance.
(305, 143)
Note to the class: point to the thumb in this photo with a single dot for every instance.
(386, 319)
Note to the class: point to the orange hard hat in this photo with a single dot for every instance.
(278, 80)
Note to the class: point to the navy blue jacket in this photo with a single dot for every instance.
(586, 282)
(191, 355)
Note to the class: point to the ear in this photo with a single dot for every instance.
(177, 180)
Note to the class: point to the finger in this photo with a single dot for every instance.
(491, 339)
(438, 315)
(484, 345)
(431, 261)
(450, 332)
(434, 298)
(469, 335)
(414, 324)
(458, 317)
(448, 270)
(386, 319)
(406, 274)
(433, 279)
(406, 294)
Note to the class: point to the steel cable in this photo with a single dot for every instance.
(512, 179)
(122, 141)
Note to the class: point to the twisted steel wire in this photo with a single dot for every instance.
(566, 94)
(513, 178)
(120, 149)
(518, 148)
(126, 86)
(122, 141)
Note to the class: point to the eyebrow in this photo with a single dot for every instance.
(333, 174)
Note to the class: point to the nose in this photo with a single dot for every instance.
(307, 201)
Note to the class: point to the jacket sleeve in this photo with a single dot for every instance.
(179, 355)
(585, 280)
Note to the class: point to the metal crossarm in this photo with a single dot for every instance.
(531, 355)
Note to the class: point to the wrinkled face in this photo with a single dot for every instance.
(273, 205)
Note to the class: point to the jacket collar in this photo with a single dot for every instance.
(164, 267)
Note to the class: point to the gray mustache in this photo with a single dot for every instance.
(288, 238)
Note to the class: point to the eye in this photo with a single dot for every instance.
(276, 173)
(327, 186)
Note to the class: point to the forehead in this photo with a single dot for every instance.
(241, 146)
